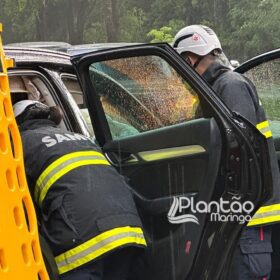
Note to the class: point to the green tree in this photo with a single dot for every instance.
(132, 24)
(161, 35)
(18, 20)
(254, 26)
(112, 22)
(245, 27)
(165, 33)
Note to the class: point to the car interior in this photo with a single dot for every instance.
(72, 85)
(117, 120)
(31, 87)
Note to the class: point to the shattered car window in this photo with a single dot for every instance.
(142, 93)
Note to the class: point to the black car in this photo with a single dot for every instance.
(140, 103)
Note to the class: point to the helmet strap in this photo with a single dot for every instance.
(198, 61)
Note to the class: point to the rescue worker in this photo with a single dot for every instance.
(201, 48)
(86, 211)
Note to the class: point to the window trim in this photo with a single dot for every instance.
(49, 86)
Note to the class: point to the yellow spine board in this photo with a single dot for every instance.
(20, 253)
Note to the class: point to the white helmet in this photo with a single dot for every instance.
(197, 39)
(20, 106)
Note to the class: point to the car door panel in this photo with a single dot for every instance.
(193, 136)
(192, 174)
(205, 158)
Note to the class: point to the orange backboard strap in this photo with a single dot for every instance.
(20, 253)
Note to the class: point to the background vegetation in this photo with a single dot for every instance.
(245, 27)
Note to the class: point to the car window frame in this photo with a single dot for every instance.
(164, 51)
(47, 83)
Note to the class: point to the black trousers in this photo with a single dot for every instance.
(252, 258)
(115, 266)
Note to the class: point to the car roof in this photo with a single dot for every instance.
(31, 56)
(49, 45)
(53, 53)
(66, 47)
(85, 48)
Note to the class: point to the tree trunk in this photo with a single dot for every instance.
(116, 18)
(41, 22)
(81, 20)
(78, 11)
(111, 16)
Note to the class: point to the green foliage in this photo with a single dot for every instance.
(13, 14)
(245, 27)
(255, 27)
(132, 25)
(165, 33)
(163, 11)
(161, 35)
(94, 33)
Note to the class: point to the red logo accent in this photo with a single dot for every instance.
(188, 247)
(195, 37)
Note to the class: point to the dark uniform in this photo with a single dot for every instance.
(252, 259)
(87, 211)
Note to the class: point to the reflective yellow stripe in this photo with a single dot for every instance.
(264, 221)
(99, 245)
(63, 172)
(266, 215)
(63, 159)
(62, 166)
(268, 208)
(268, 134)
(262, 125)
(264, 128)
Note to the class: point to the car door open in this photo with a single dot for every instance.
(180, 149)
(263, 71)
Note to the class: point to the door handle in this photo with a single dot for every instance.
(159, 205)
(121, 157)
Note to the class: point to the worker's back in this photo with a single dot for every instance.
(86, 208)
